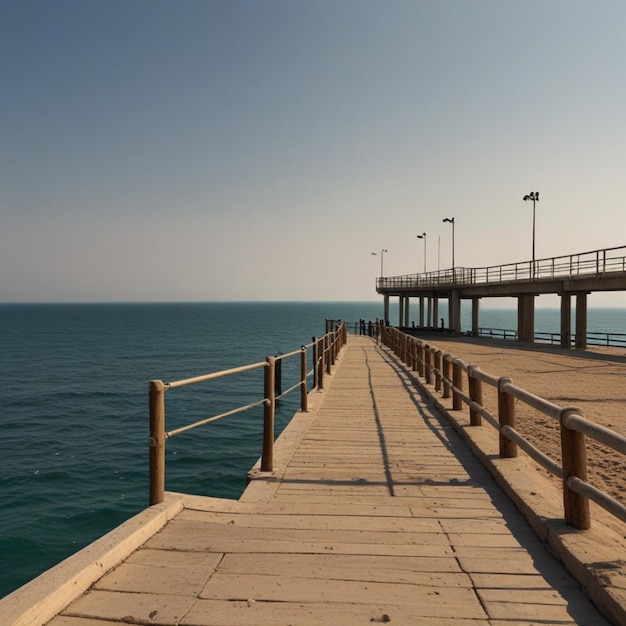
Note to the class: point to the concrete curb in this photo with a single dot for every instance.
(47, 595)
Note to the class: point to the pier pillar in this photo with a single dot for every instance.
(421, 323)
(566, 320)
(386, 309)
(454, 310)
(526, 317)
(475, 316)
(429, 313)
(400, 311)
(435, 311)
(406, 312)
(581, 321)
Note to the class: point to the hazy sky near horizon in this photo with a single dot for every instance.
(262, 150)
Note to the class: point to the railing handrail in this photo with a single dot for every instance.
(325, 351)
(574, 426)
(594, 338)
(592, 262)
(214, 375)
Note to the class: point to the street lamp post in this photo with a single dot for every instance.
(423, 236)
(382, 254)
(450, 220)
(534, 196)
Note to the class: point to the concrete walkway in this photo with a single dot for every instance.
(376, 513)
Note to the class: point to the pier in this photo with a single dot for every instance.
(376, 509)
(574, 276)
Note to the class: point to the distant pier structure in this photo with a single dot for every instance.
(571, 277)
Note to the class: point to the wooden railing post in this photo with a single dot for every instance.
(506, 417)
(428, 365)
(574, 461)
(319, 363)
(457, 381)
(267, 458)
(314, 356)
(278, 376)
(304, 398)
(447, 373)
(438, 370)
(156, 403)
(475, 394)
(420, 359)
(327, 349)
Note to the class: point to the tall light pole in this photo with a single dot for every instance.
(450, 220)
(382, 254)
(534, 196)
(423, 236)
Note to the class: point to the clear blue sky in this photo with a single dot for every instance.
(261, 150)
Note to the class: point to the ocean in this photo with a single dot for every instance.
(74, 407)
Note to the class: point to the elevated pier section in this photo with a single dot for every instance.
(376, 512)
(571, 277)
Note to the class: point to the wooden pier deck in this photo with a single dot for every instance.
(376, 512)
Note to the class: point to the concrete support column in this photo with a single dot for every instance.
(581, 321)
(521, 331)
(401, 310)
(406, 312)
(454, 310)
(566, 320)
(429, 313)
(526, 317)
(435, 311)
(475, 316)
(386, 310)
(421, 323)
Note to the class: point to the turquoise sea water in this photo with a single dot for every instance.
(74, 410)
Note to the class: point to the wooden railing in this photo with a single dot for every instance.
(324, 353)
(447, 373)
(592, 263)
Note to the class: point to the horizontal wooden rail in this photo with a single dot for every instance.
(200, 379)
(599, 497)
(539, 457)
(325, 351)
(183, 429)
(574, 426)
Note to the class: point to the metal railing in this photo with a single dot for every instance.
(447, 373)
(592, 263)
(363, 327)
(324, 353)
(607, 340)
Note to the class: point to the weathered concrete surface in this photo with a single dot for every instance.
(377, 512)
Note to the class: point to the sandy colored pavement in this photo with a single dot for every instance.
(593, 380)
